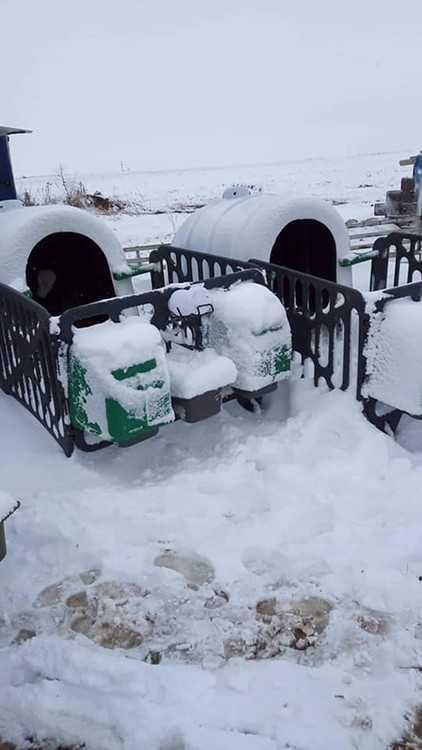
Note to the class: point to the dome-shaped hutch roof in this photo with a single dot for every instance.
(304, 233)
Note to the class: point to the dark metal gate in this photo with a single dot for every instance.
(29, 363)
(328, 323)
(405, 250)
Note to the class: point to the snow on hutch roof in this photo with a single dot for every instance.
(21, 228)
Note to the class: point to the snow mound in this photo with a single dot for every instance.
(394, 356)
(248, 306)
(194, 372)
(111, 346)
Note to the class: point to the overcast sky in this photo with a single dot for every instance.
(180, 83)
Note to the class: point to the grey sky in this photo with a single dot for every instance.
(166, 83)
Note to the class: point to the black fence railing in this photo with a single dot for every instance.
(29, 363)
(155, 301)
(175, 265)
(398, 260)
(327, 320)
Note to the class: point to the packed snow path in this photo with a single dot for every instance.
(273, 569)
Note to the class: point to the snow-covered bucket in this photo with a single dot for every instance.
(302, 233)
(250, 326)
(118, 381)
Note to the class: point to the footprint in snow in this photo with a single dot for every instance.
(196, 569)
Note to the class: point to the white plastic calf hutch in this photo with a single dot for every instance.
(60, 256)
(302, 233)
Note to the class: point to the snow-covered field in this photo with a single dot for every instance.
(360, 178)
(248, 583)
(354, 183)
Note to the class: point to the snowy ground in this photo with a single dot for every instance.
(247, 583)
(358, 179)
(321, 506)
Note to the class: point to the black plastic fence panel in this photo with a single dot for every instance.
(29, 363)
(328, 323)
(175, 265)
(156, 300)
(404, 251)
(112, 309)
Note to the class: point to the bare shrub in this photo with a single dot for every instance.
(28, 199)
(47, 195)
(74, 190)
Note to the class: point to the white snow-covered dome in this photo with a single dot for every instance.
(299, 232)
(23, 228)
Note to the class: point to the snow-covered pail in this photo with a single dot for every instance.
(118, 381)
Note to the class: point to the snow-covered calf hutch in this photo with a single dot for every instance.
(302, 233)
(59, 255)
